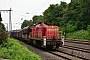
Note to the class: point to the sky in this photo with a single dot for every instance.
(24, 9)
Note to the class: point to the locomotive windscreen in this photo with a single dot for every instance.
(53, 29)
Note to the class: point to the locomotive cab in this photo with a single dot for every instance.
(50, 35)
(44, 35)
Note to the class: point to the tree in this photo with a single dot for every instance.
(85, 13)
(26, 23)
(37, 19)
(54, 13)
(0, 17)
(70, 27)
(79, 13)
(73, 11)
(88, 29)
(2, 27)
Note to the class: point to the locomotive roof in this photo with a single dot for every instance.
(38, 25)
(25, 27)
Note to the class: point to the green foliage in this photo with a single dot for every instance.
(13, 50)
(26, 23)
(0, 17)
(79, 13)
(88, 29)
(70, 27)
(82, 34)
(54, 14)
(2, 27)
(3, 36)
(38, 19)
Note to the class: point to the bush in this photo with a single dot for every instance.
(82, 34)
(88, 29)
(13, 50)
(70, 28)
(3, 36)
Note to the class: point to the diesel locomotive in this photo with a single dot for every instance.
(41, 34)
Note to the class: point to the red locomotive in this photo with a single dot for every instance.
(41, 35)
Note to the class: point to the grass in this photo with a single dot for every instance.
(13, 50)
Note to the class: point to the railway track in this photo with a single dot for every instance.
(77, 48)
(78, 42)
(65, 56)
(69, 56)
(81, 49)
(79, 45)
(45, 53)
(73, 57)
(62, 55)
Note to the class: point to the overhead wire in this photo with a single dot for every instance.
(43, 4)
(33, 12)
(29, 12)
(40, 5)
(23, 14)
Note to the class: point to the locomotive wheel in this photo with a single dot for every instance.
(57, 46)
(53, 44)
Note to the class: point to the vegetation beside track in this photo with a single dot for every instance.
(13, 50)
(78, 35)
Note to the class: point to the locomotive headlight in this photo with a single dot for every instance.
(52, 27)
(29, 36)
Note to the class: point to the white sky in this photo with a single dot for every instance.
(21, 7)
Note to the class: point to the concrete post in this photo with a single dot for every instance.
(63, 40)
(44, 41)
